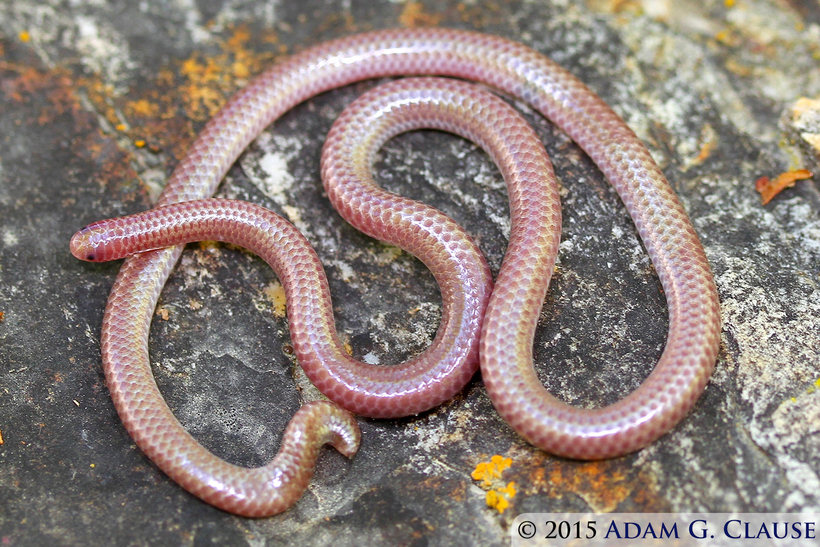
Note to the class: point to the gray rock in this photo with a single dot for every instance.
(703, 84)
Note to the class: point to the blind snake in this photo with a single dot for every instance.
(509, 323)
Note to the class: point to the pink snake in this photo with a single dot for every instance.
(509, 323)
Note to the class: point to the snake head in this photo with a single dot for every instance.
(95, 242)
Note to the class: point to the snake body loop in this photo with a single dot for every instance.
(509, 324)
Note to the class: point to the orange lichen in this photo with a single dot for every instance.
(489, 473)
(31, 85)
(24, 36)
(167, 111)
(47, 96)
(768, 189)
(101, 95)
(458, 491)
(498, 498)
(499, 502)
(602, 485)
(413, 15)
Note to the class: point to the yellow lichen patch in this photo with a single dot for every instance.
(241, 67)
(202, 92)
(142, 107)
(209, 81)
(275, 294)
(489, 473)
(24, 36)
(806, 120)
(803, 106)
(388, 254)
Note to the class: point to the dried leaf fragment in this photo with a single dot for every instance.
(768, 189)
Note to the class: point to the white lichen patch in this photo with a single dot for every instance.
(770, 302)
(266, 164)
(419, 334)
(371, 358)
(103, 49)
(345, 270)
(278, 179)
(10, 238)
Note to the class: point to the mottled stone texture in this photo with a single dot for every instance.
(99, 100)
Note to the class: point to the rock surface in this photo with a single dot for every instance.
(98, 101)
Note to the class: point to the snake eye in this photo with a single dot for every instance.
(90, 257)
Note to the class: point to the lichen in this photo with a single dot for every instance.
(489, 473)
